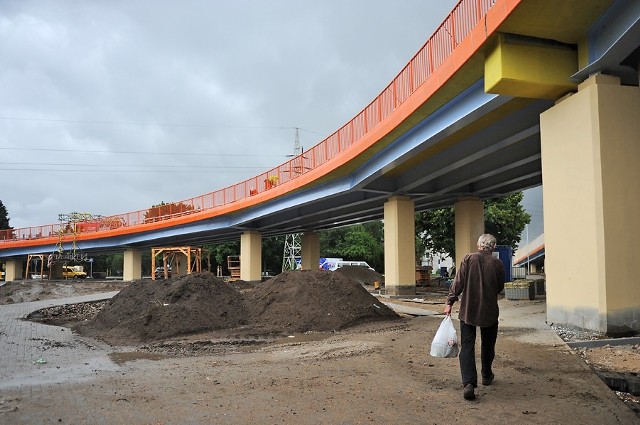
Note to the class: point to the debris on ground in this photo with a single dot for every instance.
(68, 313)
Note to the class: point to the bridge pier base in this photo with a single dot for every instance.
(251, 256)
(310, 251)
(13, 270)
(132, 265)
(591, 193)
(399, 246)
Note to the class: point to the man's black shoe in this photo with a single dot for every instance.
(468, 392)
(488, 381)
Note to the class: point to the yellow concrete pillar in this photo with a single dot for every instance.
(251, 256)
(310, 251)
(399, 246)
(469, 225)
(591, 193)
(132, 265)
(179, 265)
(14, 270)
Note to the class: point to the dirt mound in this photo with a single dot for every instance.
(292, 302)
(360, 274)
(312, 300)
(148, 310)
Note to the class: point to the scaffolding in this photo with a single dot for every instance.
(69, 225)
(193, 256)
(37, 257)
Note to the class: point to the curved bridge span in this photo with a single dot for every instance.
(504, 96)
(327, 170)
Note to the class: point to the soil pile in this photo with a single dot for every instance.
(362, 275)
(292, 302)
(312, 300)
(148, 310)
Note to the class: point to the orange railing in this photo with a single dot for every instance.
(453, 30)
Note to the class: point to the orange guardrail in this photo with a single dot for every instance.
(451, 32)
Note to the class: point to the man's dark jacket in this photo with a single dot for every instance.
(479, 279)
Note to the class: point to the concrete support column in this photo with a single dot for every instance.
(132, 265)
(251, 256)
(180, 265)
(468, 227)
(591, 191)
(13, 270)
(310, 251)
(399, 246)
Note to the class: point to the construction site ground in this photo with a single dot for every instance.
(376, 370)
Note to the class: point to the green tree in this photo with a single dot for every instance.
(4, 218)
(112, 264)
(505, 218)
(216, 254)
(356, 242)
(272, 252)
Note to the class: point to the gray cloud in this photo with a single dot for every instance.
(94, 80)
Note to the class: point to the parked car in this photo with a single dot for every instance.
(343, 263)
(160, 272)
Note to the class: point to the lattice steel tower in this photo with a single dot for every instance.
(292, 242)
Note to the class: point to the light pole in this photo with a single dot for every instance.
(528, 250)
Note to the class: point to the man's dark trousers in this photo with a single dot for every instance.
(488, 336)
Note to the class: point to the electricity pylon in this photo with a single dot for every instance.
(292, 244)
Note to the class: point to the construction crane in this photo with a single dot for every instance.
(68, 224)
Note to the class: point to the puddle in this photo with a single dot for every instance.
(122, 358)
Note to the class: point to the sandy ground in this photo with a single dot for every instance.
(373, 373)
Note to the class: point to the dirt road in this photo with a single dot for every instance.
(375, 373)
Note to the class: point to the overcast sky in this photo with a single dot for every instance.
(113, 106)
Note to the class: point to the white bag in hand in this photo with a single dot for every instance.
(445, 343)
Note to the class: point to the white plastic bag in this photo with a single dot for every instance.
(445, 343)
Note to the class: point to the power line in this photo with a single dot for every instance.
(105, 122)
(142, 153)
(211, 167)
(77, 170)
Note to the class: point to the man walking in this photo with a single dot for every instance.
(479, 279)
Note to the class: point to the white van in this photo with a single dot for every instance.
(342, 263)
